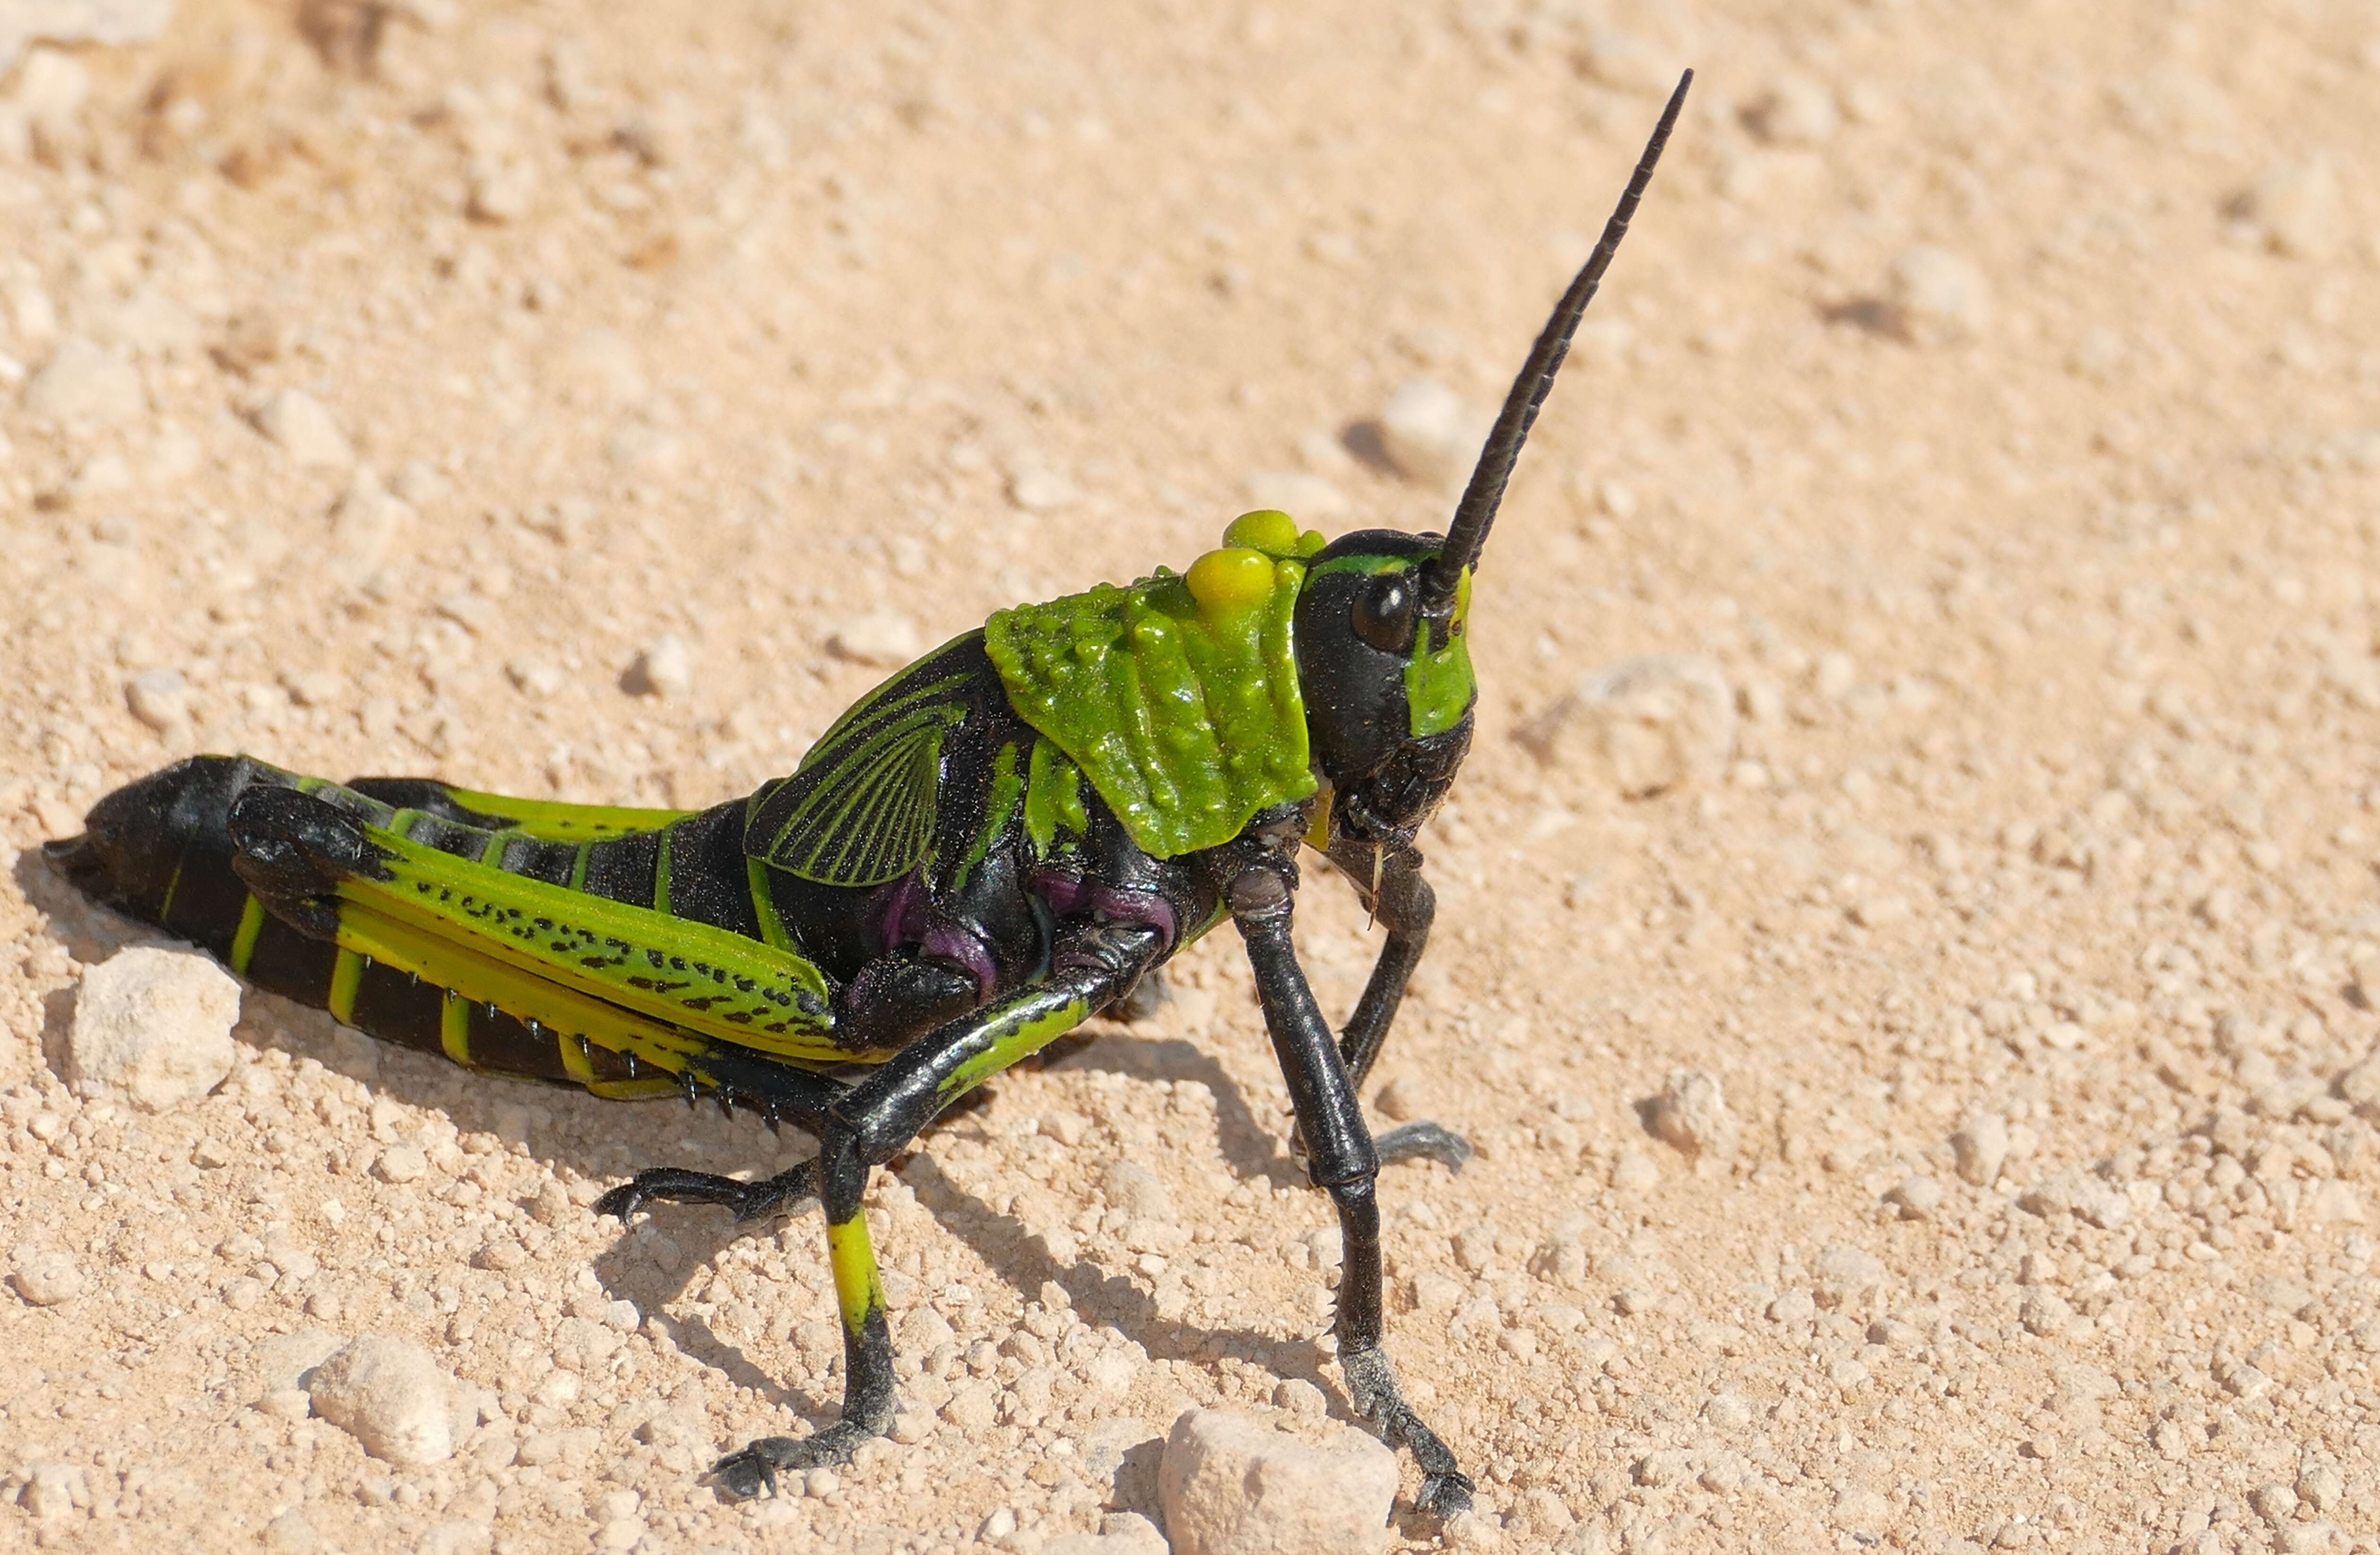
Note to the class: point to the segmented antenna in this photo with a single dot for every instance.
(1485, 494)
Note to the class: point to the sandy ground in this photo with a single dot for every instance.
(1986, 401)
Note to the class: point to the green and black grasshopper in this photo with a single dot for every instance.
(998, 843)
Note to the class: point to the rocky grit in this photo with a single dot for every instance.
(1908, 949)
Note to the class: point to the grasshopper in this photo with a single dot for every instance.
(1001, 840)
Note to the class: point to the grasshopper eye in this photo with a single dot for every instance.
(1385, 613)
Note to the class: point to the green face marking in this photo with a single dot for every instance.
(1440, 687)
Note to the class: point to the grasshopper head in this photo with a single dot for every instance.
(1389, 690)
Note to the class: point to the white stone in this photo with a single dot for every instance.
(1793, 111)
(51, 1490)
(45, 1277)
(1938, 298)
(1037, 489)
(2045, 1312)
(1691, 1113)
(501, 191)
(1981, 1148)
(882, 639)
(153, 1027)
(402, 1163)
(365, 522)
(1233, 1486)
(418, 482)
(1431, 434)
(1917, 1197)
(1636, 1170)
(159, 698)
(664, 669)
(83, 386)
(391, 1395)
(639, 446)
(304, 428)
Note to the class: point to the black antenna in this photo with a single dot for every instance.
(1485, 494)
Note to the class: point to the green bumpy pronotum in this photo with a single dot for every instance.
(1177, 695)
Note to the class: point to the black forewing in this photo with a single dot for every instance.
(860, 809)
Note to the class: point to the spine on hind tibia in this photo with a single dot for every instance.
(162, 850)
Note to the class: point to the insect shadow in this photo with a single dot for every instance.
(591, 1138)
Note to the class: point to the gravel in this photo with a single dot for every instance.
(879, 639)
(662, 668)
(1938, 298)
(45, 1277)
(1232, 1486)
(1430, 434)
(303, 428)
(86, 387)
(153, 1027)
(2051, 797)
(1691, 1113)
(391, 1395)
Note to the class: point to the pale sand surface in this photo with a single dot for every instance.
(1989, 396)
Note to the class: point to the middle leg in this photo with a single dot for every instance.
(875, 1120)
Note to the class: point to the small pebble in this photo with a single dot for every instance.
(304, 428)
(1655, 722)
(1398, 1101)
(1917, 1197)
(663, 669)
(1938, 298)
(1981, 1148)
(85, 386)
(46, 1278)
(2296, 207)
(1136, 1190)
(402, 1163)
(1792, 110)
(500, 191)
(365, 523)
(159, 698)
(1430, 434)
(1636, 1170)
(1691, 1113)
(882, 639)
(153, 1027)
(1035, 490)
(391, 1395)
(1233, 1486)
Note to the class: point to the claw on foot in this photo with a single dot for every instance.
(744, 1474)
(745, 1201)
(1445, 1495)
(1424, 1141)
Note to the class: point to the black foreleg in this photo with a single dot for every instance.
(1340, 1159)
(1406, 905)
(869, 1124)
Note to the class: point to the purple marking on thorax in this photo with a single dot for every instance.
(904, 914)
(1067, 896)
